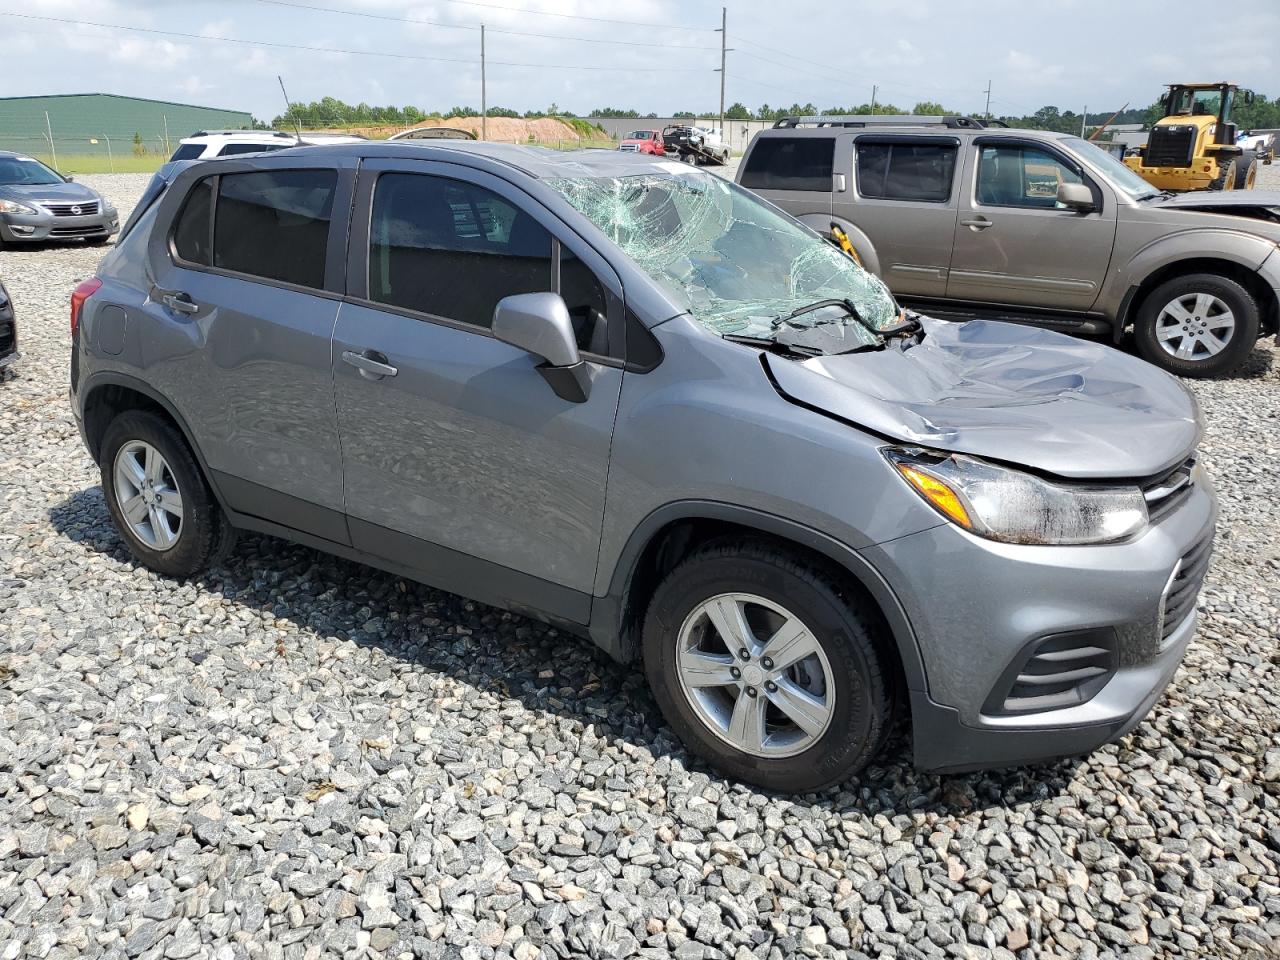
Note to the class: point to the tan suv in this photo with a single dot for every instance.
(966, 221)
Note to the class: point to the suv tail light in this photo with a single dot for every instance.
(83, 292)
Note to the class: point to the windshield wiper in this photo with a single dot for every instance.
(846, 305)
(774, 346)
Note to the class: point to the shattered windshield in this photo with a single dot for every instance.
(736, 264)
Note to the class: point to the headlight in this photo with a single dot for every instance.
(1015, 507)
(13, 206)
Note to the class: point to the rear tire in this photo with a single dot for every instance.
(1246, 170)
(1188, 316)
(1226, 179)
(841, 689)
(175, 525)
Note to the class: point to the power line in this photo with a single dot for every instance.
(349, 52)
(573, 16)
(468, 26)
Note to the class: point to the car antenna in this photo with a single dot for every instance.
(288, 108)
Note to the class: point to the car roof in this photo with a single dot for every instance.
(538, 162)
(922, 130)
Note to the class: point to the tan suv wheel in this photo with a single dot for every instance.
(1200, 325)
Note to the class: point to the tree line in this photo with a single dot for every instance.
(1254, 111)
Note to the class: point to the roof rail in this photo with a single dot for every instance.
(885, 120)
(265, 133)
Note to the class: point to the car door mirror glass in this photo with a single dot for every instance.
(1075, 196)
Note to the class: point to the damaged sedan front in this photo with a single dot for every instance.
(1027, 509)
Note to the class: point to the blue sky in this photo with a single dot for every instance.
(1070, 53)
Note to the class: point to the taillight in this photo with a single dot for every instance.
(79, 295)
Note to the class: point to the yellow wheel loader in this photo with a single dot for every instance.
(1193, 146)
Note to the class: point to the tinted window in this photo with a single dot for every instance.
(452, 249)
(790, 163)
(233, 149)
(1021, 177)
(585, 299)
(906, 171)
(191, 235)
(188, 151)
(275, 224)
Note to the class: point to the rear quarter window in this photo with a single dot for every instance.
(906, 171)
(188, 151)
(790, 163)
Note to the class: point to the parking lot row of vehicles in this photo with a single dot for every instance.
(681, 141)
(635, 400)
(964, 220)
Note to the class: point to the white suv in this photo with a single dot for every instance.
(208, 144)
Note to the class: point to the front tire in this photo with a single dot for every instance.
(1246, 171)
(158, 499)
(1200, 325)
(767, 668)
(1226, 179)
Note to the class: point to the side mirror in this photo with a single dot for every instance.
(67, 177)
(539, 323)
(1075, 196)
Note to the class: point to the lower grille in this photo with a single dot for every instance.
(1058, 672)
(87, 209)
(1179, 599)
(1170, 147)
(77, 231)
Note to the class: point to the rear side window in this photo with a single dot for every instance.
(454, 249)
(906, 171)
(191, 234)
(275, 224)
(188, 151)
(790, 163)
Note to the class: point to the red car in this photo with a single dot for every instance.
(643, 141)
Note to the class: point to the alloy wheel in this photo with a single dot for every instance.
(1195, 326)
(148, 496)
(755, 675)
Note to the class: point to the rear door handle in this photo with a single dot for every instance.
(371, 364)
(180, 303)
(981, 223)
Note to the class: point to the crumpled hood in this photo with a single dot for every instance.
(1007, 392)
(1255, 204)
(61, 192)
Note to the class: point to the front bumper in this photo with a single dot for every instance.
(45, 226)
(978, 607)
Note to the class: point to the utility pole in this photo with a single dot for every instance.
(52, 149)
(484, 101)
(874, 90)
(987, 114)
(724, 39)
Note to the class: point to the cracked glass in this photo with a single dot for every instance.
(739, 266)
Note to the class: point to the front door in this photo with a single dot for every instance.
(1015, 245)
(459, 460)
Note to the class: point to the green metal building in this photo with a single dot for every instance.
(95, 123)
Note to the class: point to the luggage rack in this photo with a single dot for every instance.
(887, 120)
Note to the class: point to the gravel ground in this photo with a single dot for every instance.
(296, 756)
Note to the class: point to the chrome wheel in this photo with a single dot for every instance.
(1195, 326)
(148, 495)
(755, 675)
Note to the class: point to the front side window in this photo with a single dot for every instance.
(1014, 176)
(790, 163)
(906, 171)
(452, 249)
(275, 224)
(736, 264)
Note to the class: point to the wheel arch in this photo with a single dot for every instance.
(1246, 276)
(106, 395)
(669, 533)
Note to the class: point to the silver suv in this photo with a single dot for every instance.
(630, 398)
(967, 221)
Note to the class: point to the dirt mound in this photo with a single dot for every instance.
(501, 129)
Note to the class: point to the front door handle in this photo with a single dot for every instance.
(371, 364)
(180, 303)
(981, 223)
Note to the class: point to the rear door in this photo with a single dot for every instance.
(459, 459)
(247, 284)
(905, 200)
(794, 171)
(1014, 244)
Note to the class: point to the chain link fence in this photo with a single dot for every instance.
(121, 153)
